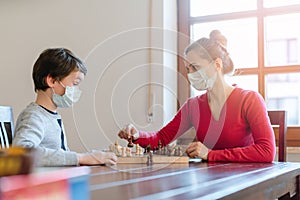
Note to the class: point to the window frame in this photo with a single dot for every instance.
(184, 24)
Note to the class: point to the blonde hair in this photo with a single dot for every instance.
(212, 48)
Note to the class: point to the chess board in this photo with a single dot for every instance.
(138, 155)
(158, 159)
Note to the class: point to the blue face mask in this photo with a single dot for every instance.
(71, 96)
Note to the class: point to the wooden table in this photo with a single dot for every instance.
(195, 180)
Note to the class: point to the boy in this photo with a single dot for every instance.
(56, 75)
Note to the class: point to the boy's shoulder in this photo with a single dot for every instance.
(33, 110)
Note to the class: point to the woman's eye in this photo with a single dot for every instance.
(195, 67)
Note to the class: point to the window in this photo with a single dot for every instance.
(282, 40)
(263, 41)
(286, 55)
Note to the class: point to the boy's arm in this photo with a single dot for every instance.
(30, 131)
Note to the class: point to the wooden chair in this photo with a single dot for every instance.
(279, 117)
(6, 126)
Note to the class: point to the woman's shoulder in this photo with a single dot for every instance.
(245, 93)
(197, 100)
(249, 97)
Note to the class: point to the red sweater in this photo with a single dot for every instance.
(243, 132)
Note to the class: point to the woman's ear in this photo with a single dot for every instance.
(219, 63)
(50, 81)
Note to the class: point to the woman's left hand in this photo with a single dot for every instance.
(197, 149)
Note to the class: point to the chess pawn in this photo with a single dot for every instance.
(123, 151)
(112, 148)
(118, 150)
(164, 151)
(172, 152)
(176, 152)
(179, 151)
(159, 148)
(128, 152)
(150, 158)
(169, 149)
(137, 149)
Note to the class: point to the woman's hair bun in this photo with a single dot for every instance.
(217, 36)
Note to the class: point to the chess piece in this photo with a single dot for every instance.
(159, 146)
(148, 148)
(112, 148)
(130, 143)
(164, 151)
(128, 152)
(116, 148)
(180, 153)
(137, 149)
(150, 158)
(123, 151)
(169, 149)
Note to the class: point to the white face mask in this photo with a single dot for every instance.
(71, 96)
(200, 81)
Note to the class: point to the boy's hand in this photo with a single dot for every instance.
(97, 158)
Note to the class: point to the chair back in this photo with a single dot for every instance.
(279, 117)
(6, 126)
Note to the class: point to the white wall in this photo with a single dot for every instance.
(113, 39)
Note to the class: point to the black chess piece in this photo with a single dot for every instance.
(148, 148)
(130, 143)
(159, 148)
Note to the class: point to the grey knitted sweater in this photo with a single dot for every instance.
(38, 128)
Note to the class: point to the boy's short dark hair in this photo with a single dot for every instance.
(56, 62)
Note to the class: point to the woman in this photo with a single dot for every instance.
(231, 123)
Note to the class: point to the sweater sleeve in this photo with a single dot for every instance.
(30, 132)
(263, 149)
(174, 129)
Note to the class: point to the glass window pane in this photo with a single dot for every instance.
(282, 92)
(272, 3)
(247, 82)
(282, 40)
(204, 7)
(241, 39)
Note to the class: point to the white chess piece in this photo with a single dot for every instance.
(123, 151)
(128, 152)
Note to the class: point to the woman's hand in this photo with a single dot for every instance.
(97, 158)
(128, 131)
(197, 149)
